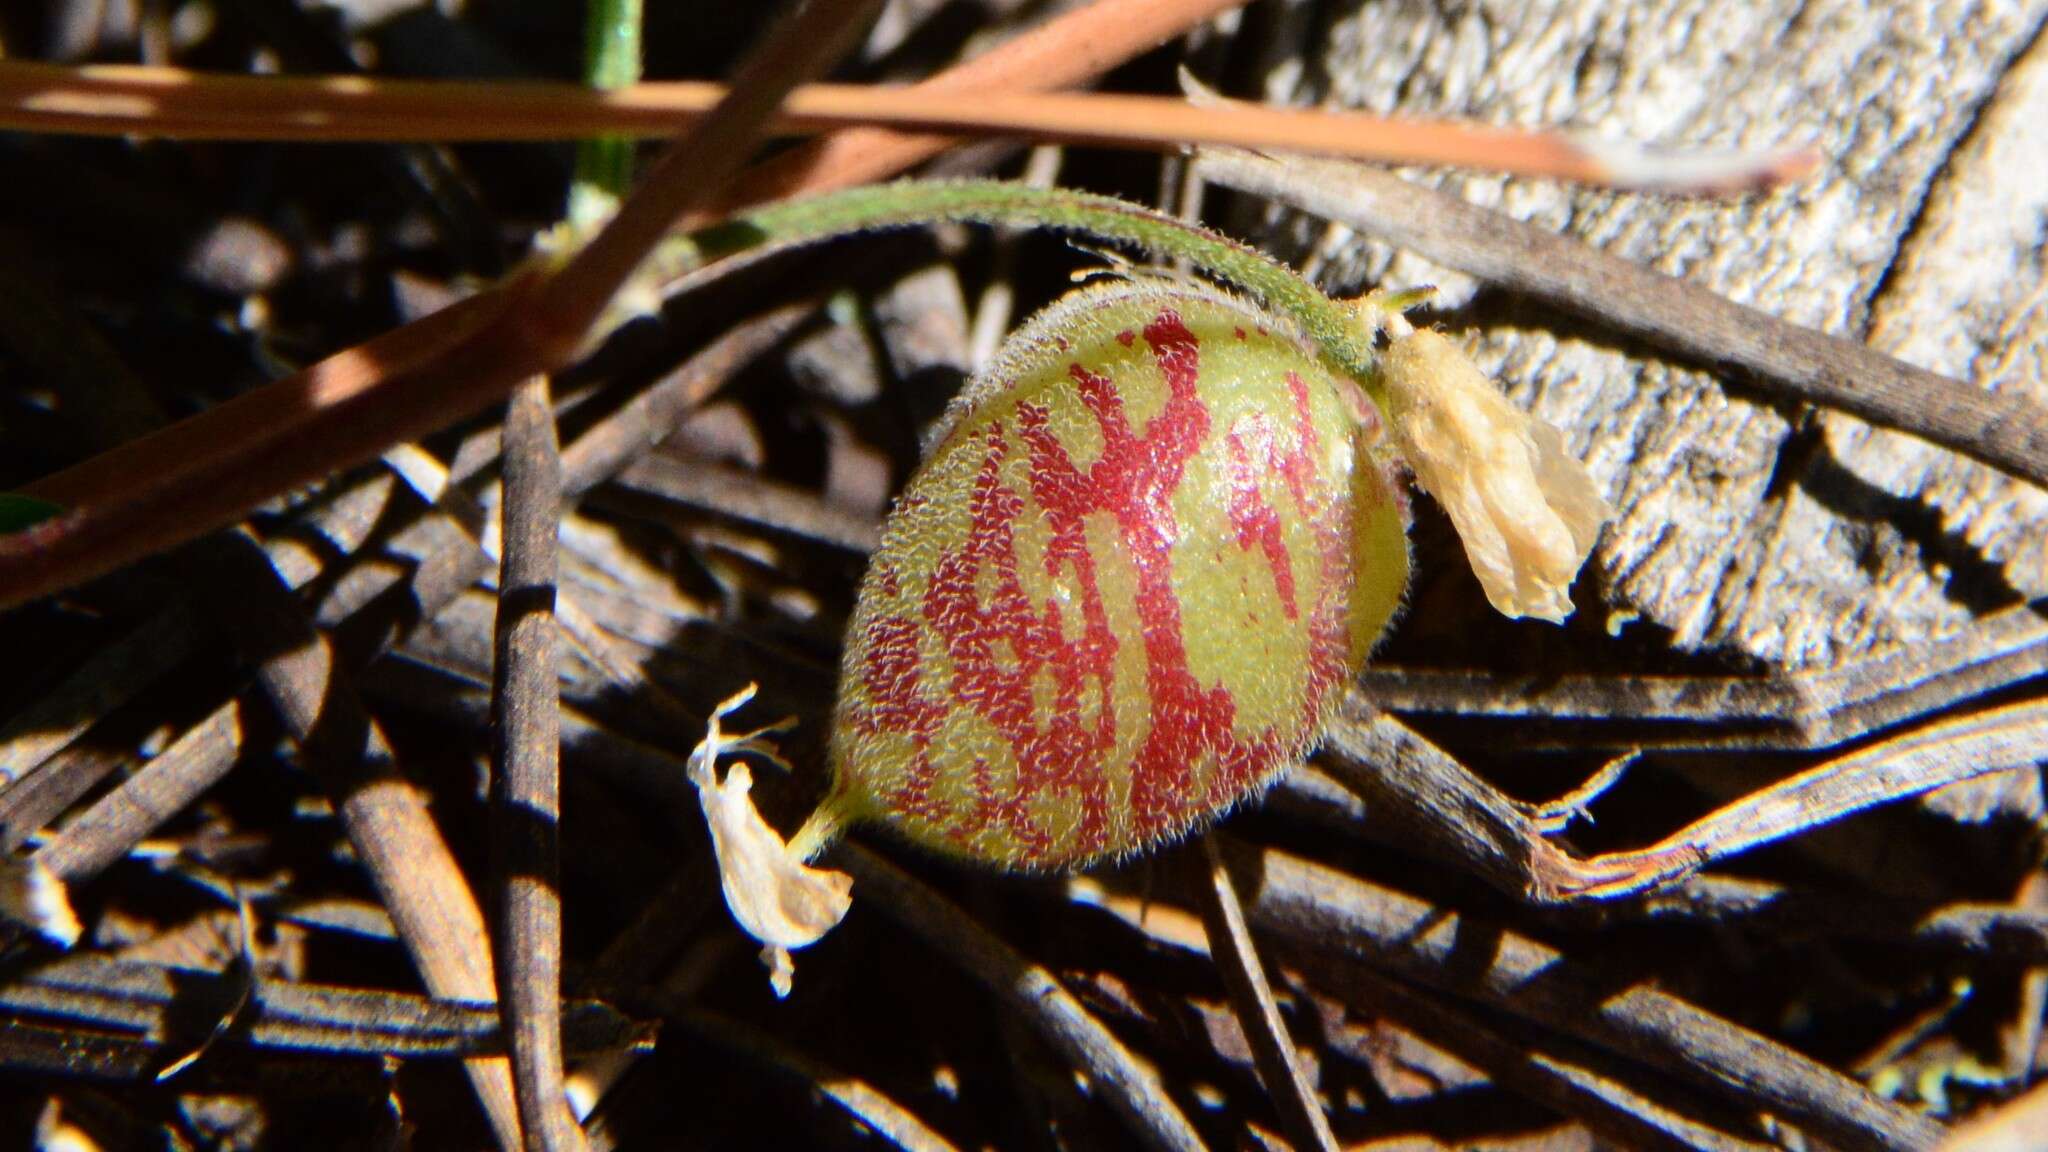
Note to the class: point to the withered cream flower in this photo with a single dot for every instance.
(773, 895)
(1527, 512)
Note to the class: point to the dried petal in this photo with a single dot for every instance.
(773, 895)
(1527, 512)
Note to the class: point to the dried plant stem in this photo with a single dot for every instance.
(1448, 805)
(439, 560)
(156, 1002)
(297, 668)
(1133, 1089)
(167, 102)
(203, 472)
(1910, 764)
(1805, 710)
(2006, 430)
(526, 782)
(384, 814)
(1077, 47)
(1760, 906)
(1605, 1092)
(861, 1100)
(1236, 955)
(1324, 908)
(1780, 912)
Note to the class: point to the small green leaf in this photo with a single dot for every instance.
(18, 512)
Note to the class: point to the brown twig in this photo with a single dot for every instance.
(1251, 997)
(1758, 905)
(1078, 47)
(1439, 947)
(1803, 710)
(1386, 761)
(1131, 1088)
(1607, 1094)
(1409, 782)
(526, 779)
(297, 669)
(1705, 899)
(384, 814)
(172, 103)
(126, 996)
(861, 1100)
(1910, 764)
(203, 473)
(2006, 430)
(743, 499)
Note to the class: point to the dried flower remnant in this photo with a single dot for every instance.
(773, 896)
(1528, 512)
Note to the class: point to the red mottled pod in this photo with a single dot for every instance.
(1153, 541)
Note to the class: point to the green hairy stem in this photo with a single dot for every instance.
(1343, 333)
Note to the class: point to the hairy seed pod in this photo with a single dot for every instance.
(1151, 544)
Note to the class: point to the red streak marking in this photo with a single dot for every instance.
(889, 671)
(1000, 643)
(1126, 337)
(1257, 524)
(1299, 466)
(977, 604)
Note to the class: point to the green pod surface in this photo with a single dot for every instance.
(1151, 544)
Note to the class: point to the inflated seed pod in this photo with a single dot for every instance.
(1149, 547)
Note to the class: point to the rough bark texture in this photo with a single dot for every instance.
(1794, 538)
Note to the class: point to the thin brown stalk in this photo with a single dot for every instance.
(119, 100)
(743, 499)
(1449, 806)
(1805, 710)
(862, 1101)
(1438, 946)
(1762, 908)
(526, 778)
(384, 814)
(2007, 430)
(1910, 764)
(1066, 52)
(1251, 997)
(1786, 913)
(438, 561)
(1133, 1089)
(1602, 1091)
(203, 472)
(1445, 807)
